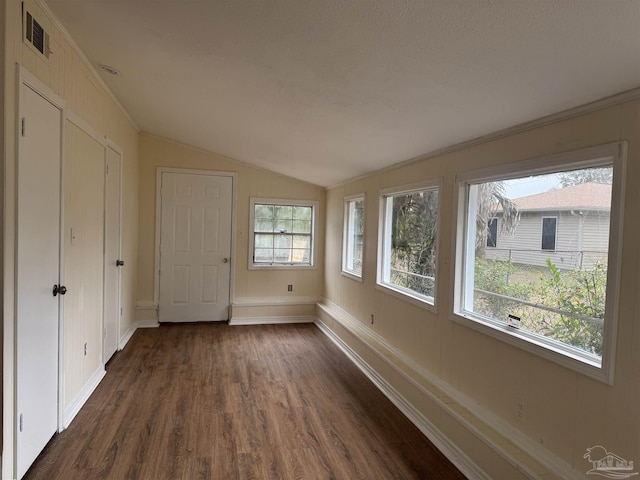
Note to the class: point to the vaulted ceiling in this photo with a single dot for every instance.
(328, 90)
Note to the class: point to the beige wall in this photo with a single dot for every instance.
(251, 182)
(67, 75)
(565, 412)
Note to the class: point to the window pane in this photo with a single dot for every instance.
(263, 241)
(263, 211)
(262, 225)
(301, 226)
(302, 241)
(284, 212)
(354, 236)
(300, 255)
(282, 255)
(412, 240)
(550, 269)
(283, 241)
(302, 213)
(263, 255)
(284, 226)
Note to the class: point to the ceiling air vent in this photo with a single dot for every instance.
(35, 35)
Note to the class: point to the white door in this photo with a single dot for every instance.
(195, 247)
(112, 261)
(38, 267)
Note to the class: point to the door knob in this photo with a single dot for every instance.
(225, 260)
(59, 289)
(119, 263)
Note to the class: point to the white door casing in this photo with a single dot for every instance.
(37, 271)
(195, 247)
(111, 331)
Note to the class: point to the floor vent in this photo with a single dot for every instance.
(35, 35)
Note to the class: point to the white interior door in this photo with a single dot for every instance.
(195, 247)
(38, 267)
(112, 261)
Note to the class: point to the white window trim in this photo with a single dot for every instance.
(279, 201)
(346, 231)
(574, 359)
(384, 249)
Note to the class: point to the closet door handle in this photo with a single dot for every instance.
(119, 263)
(59, 289)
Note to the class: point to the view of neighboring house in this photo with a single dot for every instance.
(568, 225)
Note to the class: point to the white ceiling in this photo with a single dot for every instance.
(328, 90)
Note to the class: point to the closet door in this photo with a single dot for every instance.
(38, 290)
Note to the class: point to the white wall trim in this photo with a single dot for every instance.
(146, 324)
(83, 395)
(272, 320)
(479, 416)
(124, 339)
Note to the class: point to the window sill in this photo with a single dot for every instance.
(570, 358)
(414, 299)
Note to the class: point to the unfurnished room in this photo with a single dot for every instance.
(298, 239)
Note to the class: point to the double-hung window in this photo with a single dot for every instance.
(551, 286)
(408, 243)
(353, 239)
(282, 233)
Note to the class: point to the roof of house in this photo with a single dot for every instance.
(587, 196)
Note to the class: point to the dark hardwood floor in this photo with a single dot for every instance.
(210, 401)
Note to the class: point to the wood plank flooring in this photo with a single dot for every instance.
(210, 401)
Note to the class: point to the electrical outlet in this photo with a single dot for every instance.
(290, 288)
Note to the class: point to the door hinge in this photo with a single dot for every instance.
(23, 127)
(20, 422)
(107, 168)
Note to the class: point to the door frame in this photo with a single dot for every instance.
(188, 171)
(10, 405)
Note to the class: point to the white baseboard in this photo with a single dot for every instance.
(271, 320)
(81, 398)
(477, 421)
(147, 324)
(124, 339)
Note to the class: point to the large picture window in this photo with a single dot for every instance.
(353, 240)
(552, 283)
(409, 242)
(282, 233)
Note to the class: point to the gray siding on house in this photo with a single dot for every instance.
(580, 240)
